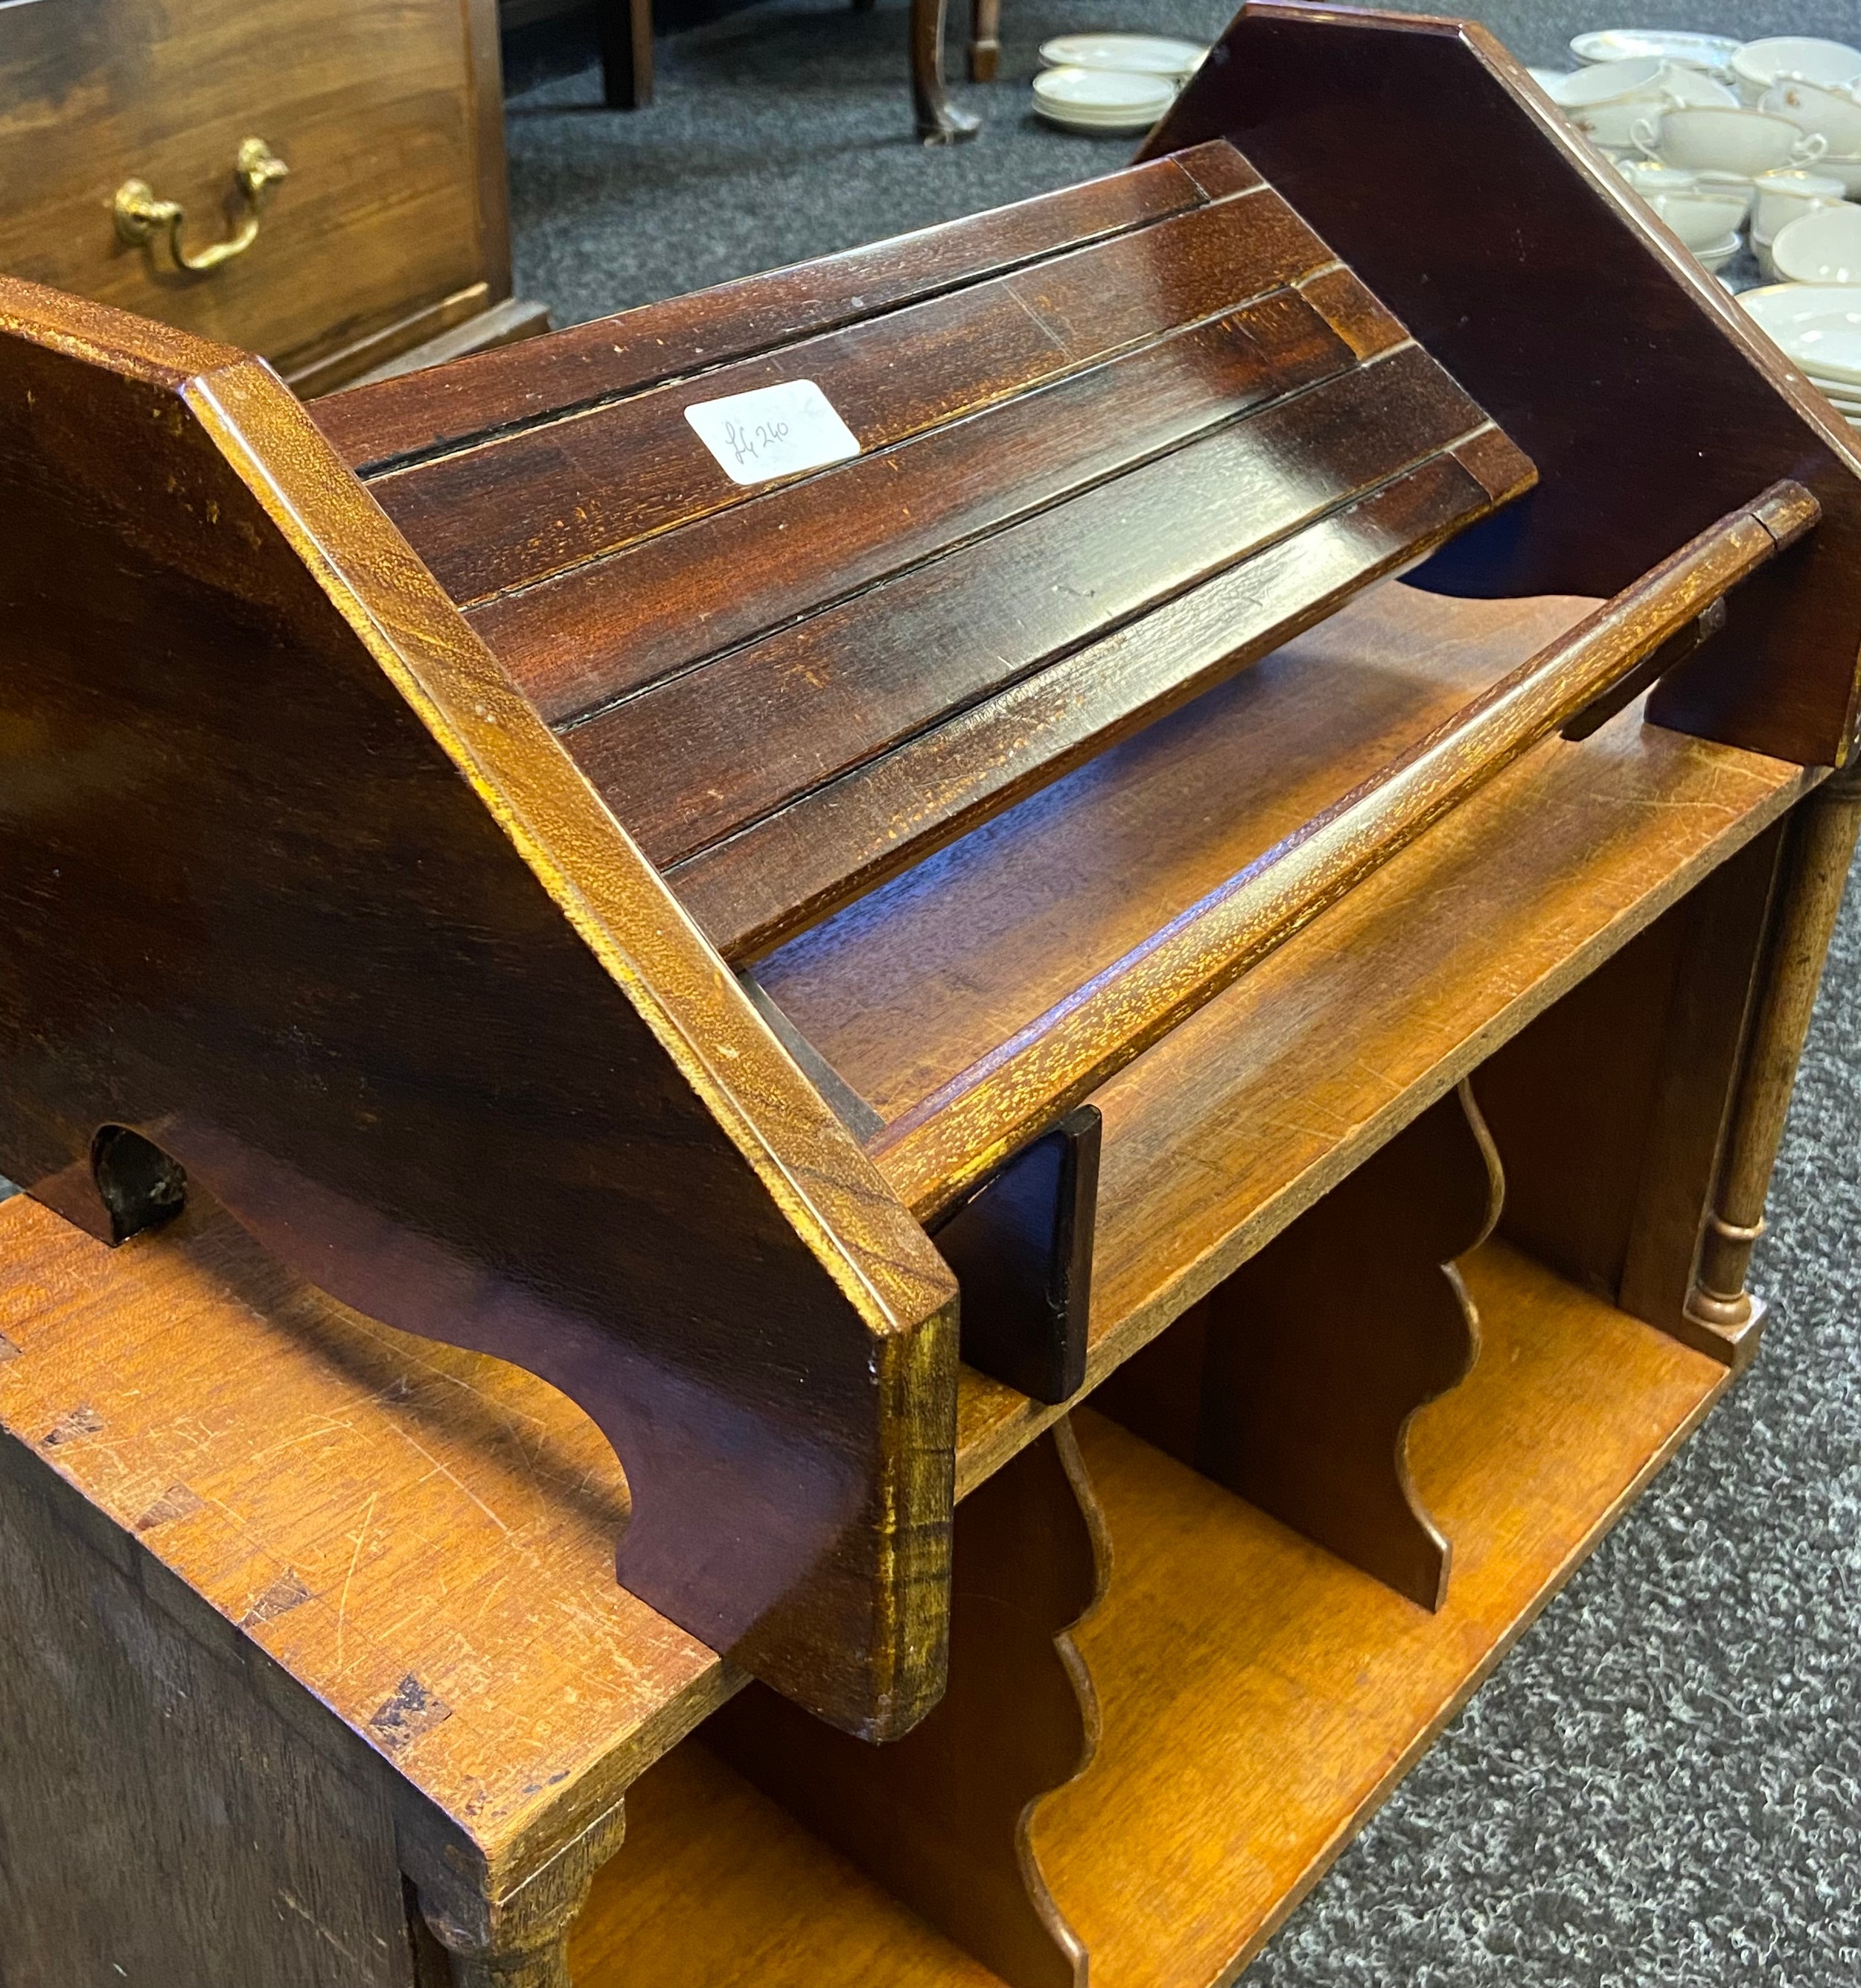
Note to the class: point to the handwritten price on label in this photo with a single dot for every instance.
(775, 431)
(747, 444)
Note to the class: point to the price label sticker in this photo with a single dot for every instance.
(775, 431)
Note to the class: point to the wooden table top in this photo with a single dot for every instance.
(423, 1538)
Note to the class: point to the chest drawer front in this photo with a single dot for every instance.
(368, 102)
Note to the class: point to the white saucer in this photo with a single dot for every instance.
(1817, 324)
(1707, 51)
(1126, 55)
(1089, 99)
(1716, 257)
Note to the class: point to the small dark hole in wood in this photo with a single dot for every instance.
(140, 1186)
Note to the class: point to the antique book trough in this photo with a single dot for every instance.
(816, 864)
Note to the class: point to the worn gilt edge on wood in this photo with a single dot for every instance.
(884, 1269)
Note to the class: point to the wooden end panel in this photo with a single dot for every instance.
(512, 511)
(694, 759)
(373, 426)
(1649, 402)
(452, 1065)
(754, 890)
(604, 629)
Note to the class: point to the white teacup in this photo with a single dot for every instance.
(1746, 142)
(1784, 195)
(1606, 101)
(1834, 112)
(1759, 64)
(1701, 220)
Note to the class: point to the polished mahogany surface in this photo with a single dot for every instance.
(1088, 485)
(297, 890)
(1650, 404)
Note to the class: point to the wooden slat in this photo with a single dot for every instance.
(512, 512)
(758, 887)
(601, 629)
(953, 1137)
(693, 758)
(376, 425)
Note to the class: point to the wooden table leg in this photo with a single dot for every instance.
(1822, 848)
(626, 53)
(939, 121)
(984, 39)
(520, 1941)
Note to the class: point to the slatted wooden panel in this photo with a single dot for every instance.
(1090, 483)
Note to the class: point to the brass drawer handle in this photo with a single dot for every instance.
(140, 217)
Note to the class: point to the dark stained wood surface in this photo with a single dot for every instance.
(1650, 404)
(372, 426)
(1294, 1383)
(942, 1818)
(779, 716)
(771, 878)
(601, 629)
(931, 1152)
(514, 509)
(383, 975)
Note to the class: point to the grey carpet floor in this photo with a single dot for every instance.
(1663, 1783)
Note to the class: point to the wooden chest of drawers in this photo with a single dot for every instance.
(389, 229)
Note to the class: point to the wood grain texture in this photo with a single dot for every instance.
(1538, 264)
(942, 1818)
(1294, 1382)
(594, 633)
(754, 889)
(390, 118)
(1307, 1709)
(931, 1152)
(1218, 1136)
(532, 1096)
(687, 762)
(580, 367)
(1608, 1111)
(519, 507)
(159, 1819)
(1296, 1693)
(352, 1508)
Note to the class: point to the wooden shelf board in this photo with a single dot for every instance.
(1259, 1697)
(1241, 1117)
(366, 1507)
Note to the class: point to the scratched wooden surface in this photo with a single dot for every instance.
(1228, 1776)
(379, 1508)
(423, 1538)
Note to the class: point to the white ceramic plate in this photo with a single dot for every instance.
(1716, 257)
(1707, 51)
(1821, 247)
(1088, 99)
(1128, 55)
(1817, 324)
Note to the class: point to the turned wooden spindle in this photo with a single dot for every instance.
(1822, 849)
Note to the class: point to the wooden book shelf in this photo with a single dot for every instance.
(1084, 1071)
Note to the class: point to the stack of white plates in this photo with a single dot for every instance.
(1819, 327)
(1112, 82)
(1712, 53)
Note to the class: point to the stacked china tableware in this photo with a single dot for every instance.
(1722, 136)
(1819, 327)
(1109, 84)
